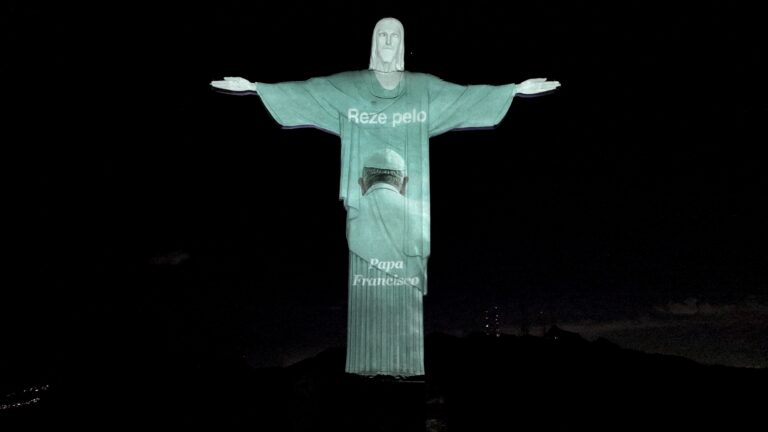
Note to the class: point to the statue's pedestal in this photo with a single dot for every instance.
(386, 403)
(320, 396)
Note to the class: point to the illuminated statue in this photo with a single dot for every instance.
(385, 117)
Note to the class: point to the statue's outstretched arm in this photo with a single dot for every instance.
(235, 84)
(536, 85)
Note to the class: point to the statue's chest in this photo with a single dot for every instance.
(407, 109)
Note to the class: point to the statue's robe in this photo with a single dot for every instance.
(385, 326)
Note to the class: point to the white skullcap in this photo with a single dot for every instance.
(386, 159)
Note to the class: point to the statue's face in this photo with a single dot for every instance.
(388, 41)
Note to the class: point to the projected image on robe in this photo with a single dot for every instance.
(387, 231)
(387, 263)
(384, 117)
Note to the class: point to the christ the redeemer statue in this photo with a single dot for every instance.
(375, 110)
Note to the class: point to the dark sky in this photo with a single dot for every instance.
(149, 213)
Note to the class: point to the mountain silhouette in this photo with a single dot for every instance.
(558, 382)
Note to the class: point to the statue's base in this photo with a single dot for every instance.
(322, 397)
(384, 403)
(388, 379)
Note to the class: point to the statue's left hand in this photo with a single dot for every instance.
(235, 84)
(537, 85)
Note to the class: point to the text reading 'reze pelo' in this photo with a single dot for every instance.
(380, 118)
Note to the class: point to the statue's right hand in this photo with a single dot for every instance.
(234, 84)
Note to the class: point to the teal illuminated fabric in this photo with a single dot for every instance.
(385, 328)
(368, 118)
(377, 232)
(386, 286)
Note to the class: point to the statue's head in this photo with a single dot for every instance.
(388, 46)
(384, 166)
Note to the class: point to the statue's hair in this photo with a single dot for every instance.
(371, 176)
(399, 60)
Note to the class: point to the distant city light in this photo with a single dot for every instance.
(13, 395)
(492, 319)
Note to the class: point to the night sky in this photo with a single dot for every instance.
(153, 217)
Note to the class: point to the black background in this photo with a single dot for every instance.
(156, 222)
